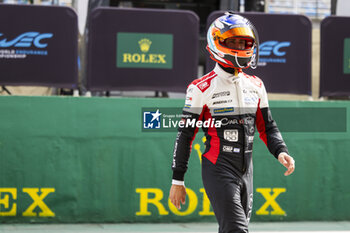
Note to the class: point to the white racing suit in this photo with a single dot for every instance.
(237, 104)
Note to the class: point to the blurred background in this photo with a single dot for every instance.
(314, 10)
(78, 78)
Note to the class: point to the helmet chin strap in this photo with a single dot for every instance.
(252, 64)
(238, 62)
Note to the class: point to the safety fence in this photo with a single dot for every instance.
(144, 49)
(92, 160)
(38, 46)
(141, 49)
(335, 57)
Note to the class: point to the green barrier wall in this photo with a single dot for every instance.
(87, 160)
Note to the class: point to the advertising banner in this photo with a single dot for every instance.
(335, 57)
(129, 56)
(346, 58)
(73, 160)
(284, 53)
(155, 50)
(38, 46)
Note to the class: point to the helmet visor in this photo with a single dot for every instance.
(238, 43)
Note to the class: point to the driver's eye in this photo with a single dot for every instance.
(235, 43)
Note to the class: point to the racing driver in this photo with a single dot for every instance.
(239, 101)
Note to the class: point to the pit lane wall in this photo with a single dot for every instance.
(87, 160)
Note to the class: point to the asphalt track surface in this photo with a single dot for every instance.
(290, 227)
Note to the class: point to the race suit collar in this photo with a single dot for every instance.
(225, 74)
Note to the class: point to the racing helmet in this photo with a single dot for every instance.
(232, 40)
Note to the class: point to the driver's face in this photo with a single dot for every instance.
(235, 43)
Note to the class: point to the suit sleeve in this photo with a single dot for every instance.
(185, 136)
(267, 127)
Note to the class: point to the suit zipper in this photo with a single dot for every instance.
(238, 91)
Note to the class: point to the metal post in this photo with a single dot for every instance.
(241, 6)
(295, 6)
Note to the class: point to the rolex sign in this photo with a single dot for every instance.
(144, 50)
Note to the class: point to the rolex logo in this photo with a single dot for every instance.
(145, 44)
(134, 50)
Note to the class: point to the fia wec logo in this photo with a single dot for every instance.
(273, 52)
(274, 47)
(25, 40)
